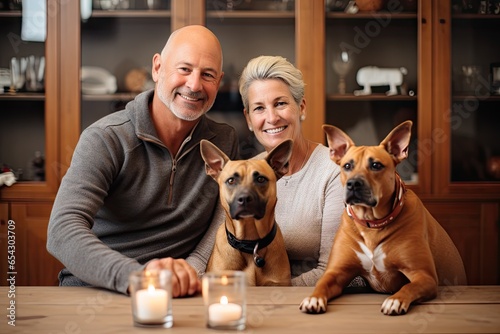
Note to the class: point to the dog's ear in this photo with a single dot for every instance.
(214, 158)
(397, 141)
(338, 142)
(279, 158)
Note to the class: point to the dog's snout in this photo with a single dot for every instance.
(244, 198)
(354, 184)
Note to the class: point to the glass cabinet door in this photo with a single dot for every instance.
(28, 99)
(475, 92)
(247, 29)
(373, 65)
(118, 42)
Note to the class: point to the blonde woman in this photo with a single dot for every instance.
(310, 196)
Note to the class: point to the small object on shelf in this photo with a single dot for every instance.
(409, 5)
(470, 6)
(370, 76)
(114, 4)
(470, 79)
(493, 167)
(336, 5)
(495, 78)
(138, 80)
(7, 178)
(342, 64)
(370, 5)
(38, 165)
(97, 80)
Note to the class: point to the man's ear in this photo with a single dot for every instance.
(338, 142)
(155, 67)
(214, 158)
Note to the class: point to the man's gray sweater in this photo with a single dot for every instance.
(126, 200)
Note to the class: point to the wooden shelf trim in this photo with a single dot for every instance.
(370, 15)
(23, 96)
(109, 97)
(371, 97)
(131, 13)
(250, 14)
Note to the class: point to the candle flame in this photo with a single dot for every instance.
(224, 280)
(151, 288)
(223, 300)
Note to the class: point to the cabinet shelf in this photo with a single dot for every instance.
(372, 97)
(463, 97)
(23, 96)
(11, 13)
(109, 97)
(475, 16)
(370, 15)
(130, 13)
(244, 15)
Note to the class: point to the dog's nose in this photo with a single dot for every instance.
(353, 184)
(244, 199)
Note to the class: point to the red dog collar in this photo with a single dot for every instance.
(396, 208)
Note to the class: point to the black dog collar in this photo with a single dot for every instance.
(251, 246)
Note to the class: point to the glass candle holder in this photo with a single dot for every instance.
(224, 295)
(151, 294)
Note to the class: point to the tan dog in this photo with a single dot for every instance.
(386, 235)
(250, 239)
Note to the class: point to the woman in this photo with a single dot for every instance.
(310, 196)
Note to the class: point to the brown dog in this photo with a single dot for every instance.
(250, 239)
(386, 235)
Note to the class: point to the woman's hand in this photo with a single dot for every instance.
(185, 281)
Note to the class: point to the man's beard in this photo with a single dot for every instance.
(185, 113)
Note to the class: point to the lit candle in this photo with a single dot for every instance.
(152, 304)
(224, 312)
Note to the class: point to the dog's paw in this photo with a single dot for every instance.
(394, 306)
(313, 305)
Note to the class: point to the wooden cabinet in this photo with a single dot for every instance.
(473, 226)
(30, 123)
(30, 115)
(455, 113)
(467, 101)
(23, 235)
(34, 265)
(4, 242)
(432, 42)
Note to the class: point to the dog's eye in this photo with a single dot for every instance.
(376, 166)
(261, 179)
(231, 181)
(347, 166)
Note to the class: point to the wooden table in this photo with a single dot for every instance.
(72, 310)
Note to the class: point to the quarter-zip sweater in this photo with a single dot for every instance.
(125, 200)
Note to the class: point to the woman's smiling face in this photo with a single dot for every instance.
(272, 112)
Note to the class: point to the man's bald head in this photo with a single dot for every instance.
(195, 35)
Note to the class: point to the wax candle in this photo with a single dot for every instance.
(152, 304)
(224, 312)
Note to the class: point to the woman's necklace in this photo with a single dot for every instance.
(287, 178)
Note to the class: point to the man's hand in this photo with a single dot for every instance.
(185, 281)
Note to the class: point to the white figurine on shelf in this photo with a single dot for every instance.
(7, 178)
(370, 76)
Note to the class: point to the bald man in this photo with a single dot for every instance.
(136, 195)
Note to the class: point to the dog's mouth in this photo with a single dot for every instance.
(355, 197)
(242, 213)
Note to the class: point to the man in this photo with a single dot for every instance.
(136, 195)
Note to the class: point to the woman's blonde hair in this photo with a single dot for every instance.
(272, 67)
